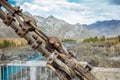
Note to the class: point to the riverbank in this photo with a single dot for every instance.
(21, 53)
(97, 54)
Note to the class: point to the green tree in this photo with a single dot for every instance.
(102, 38)
(96, 38)
(119, 38)
(68, 40)
(91, 39)
(87, 40)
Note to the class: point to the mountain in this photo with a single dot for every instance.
(109, 28)
(6, 32)
(62, 29)
(56, 27)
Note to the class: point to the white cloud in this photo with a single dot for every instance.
(85, 13)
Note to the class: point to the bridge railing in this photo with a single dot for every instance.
(26, 70)
(36, 70)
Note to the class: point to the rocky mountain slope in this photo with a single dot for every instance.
(97, 54)
(60, 28)
(6, 32)
(109, 28)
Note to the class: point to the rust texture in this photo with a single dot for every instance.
(61, 61)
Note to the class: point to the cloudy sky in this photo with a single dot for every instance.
(73, 11)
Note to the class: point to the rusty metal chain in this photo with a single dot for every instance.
(62, 62)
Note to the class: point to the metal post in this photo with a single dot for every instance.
(7, 73)
(26, 73)
(21, 73)
(50, 75)
(32, 73)
(40, 73)
(16, 73)
(12, 73)
(3, 72)
(46, 72)
(0, 73)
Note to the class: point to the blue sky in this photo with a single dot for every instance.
(73, 11)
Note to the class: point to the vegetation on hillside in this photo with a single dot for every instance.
(68, 40)
(119, 38)
(6, 43)
(12, 42)
(94, 39)
(103, 38)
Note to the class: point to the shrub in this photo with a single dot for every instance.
(102, 38)
(91, 39)
(119, 38)
(68, 40)
(6, 43)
